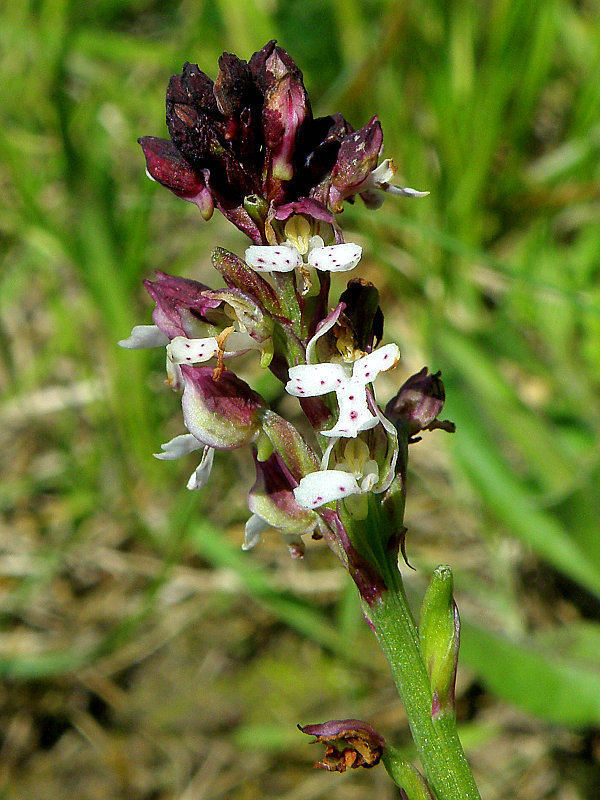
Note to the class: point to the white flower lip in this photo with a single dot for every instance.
(273, 258)
(349, 383)
(192, 351)
(286, 257)
(325, 486)
(336, 257)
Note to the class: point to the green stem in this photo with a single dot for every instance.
(436, 739)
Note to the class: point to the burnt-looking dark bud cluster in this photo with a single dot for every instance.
(248, 143)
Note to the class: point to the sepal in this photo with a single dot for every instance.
(224, 413)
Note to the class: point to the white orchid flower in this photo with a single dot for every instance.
(301, 250)
(349, 382)
(357, 474)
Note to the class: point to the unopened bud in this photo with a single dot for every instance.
(439, 633)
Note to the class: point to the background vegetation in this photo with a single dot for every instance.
(143, 655)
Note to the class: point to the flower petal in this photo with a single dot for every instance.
(178, 447)
(311, 380)
(325, 486)
(277, 258)
(354, 414)
(201, 474)
(143, 336)
(254, 531)
(192, 351)
(336, 257)
(383, 359)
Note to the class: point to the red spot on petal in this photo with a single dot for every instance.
(342, 489)
(351, 397)
(353, 414)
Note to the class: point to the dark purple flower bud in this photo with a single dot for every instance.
(224, 413)
(167, 166)
(418, 403)
(349, 744)
(357, 158)
(201, 134)
(181, 304)
(363, 312)
(286, 108)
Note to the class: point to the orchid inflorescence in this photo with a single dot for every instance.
(249, 145)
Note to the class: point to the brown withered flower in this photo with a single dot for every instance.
(349, 744)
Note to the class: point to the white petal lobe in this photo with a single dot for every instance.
(178, 447)
(324, 486)
(201, 474)
(311, 380)
(192, 351)
(383, 359)
(273, 258)
(143, 336)
(336, 257)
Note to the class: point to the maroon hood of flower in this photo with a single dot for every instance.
(248, 142)
(180, 303)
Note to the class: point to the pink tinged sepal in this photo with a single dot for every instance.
(278, 258)
(287, 442)
(166, 165)
(224, 413)
(143, 336)
(272, 498)
(357, 158)
(181, 304)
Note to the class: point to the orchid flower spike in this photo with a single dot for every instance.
(349, 382)
(300, 249)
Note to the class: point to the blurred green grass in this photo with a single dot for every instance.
(493, 107)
